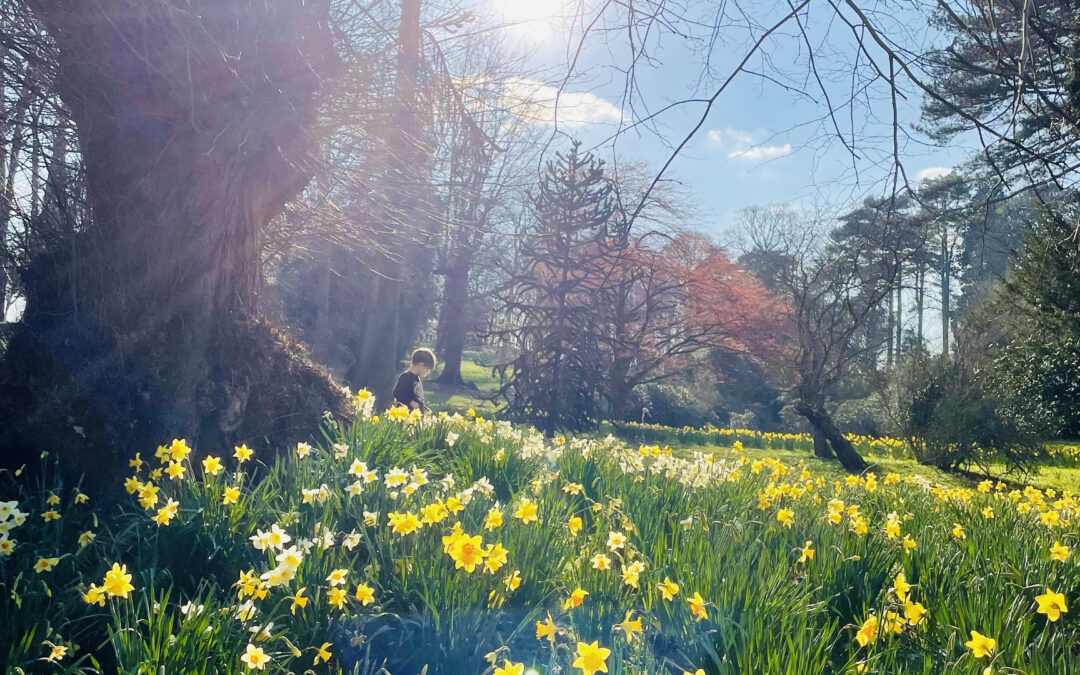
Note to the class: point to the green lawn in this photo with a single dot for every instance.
(456, 399)
(1058, 477)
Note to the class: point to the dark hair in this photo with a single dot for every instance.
(424, 356)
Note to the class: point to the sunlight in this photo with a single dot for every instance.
(535, 20)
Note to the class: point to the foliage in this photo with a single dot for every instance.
(1036, 313)
(955, 420)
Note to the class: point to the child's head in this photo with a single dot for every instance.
(423, 361)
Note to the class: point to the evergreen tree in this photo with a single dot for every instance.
(548, 302)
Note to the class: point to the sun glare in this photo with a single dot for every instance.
(536, 19)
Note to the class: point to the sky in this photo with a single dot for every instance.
(763, 141)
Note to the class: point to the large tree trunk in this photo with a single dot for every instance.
(454, 318)
(825, 429)
(194, 123)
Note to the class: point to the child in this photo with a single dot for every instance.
(408, 391)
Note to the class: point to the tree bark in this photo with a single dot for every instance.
(454, 318)
(194, 121)
(823, 427)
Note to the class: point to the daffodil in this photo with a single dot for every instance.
(336, 597)
(868, 632)
(365, 594)
(509, 668)
(574, 525)
(668, 588)
(58, 652)
(806, 552)
(254, 657)
(230, 495)
(1058, 552)
(242, 453)
(212, 466)
(526, 512)
(1052, 605)
(322, 654)
(697, 606)
(118, 581)
(630, 627)
(914, 613)
(45, 564)
(576, 599)
(546, 630)
(493, 519)
(786, 517)
(980, 645)
(298, 600)
(591, 658)
(513, 581)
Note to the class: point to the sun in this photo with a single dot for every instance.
(539, 20)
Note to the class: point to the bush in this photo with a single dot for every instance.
(955, 421)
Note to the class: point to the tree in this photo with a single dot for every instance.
(669, 307)
(547, 305)
(1011, 72)
(194, 123)
(835, 292)
(1035, 312)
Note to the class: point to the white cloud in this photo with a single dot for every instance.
(741, 145)
(539, 103)
(933, 173)
(761, 152)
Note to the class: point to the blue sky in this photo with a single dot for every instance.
(762, 143)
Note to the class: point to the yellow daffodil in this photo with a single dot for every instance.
(630, 626)
(298, 600)
(697, 606)
(546, 630)
(242, 453)
(1052, 605)
(322, 654)
(58, 652)
(576, 599)
(230, 495)
(1058, 552)
(526, 512)
(509, 668)
(591, 658)
(980, 645)
(868, 632)
(336, 597)
(806, 552)
(574, 525)
(914, 612)
(668, 588)
(118, 581)
(212, 466)
(365, 594)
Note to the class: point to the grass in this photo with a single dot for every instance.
(458, 399)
